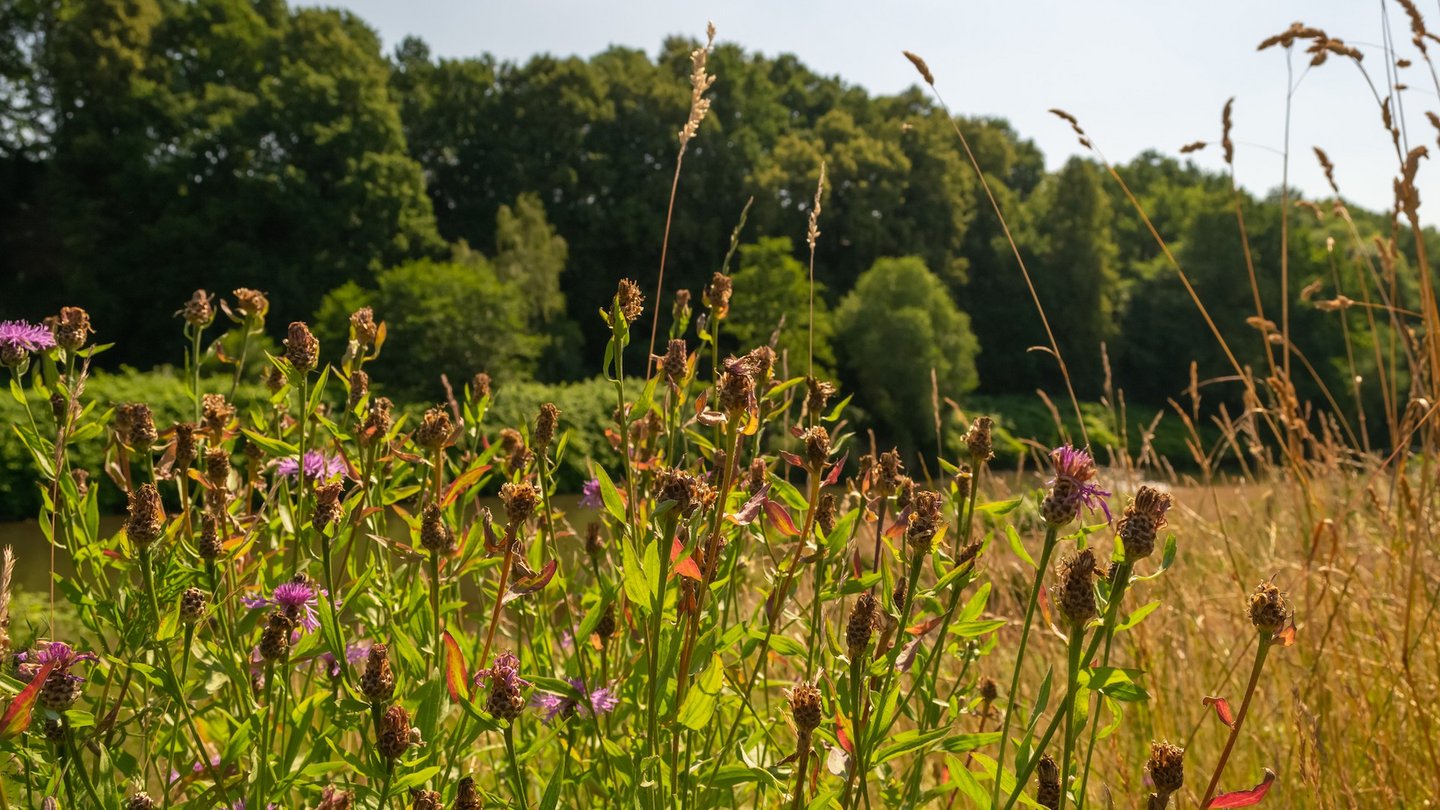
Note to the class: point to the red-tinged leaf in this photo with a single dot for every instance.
(776, 511)
(530, 581)
(687, 566)
(924, 627)
(700, 401)
(1286, 637)
(840, 732)
(907, 655)
(751, 509)
(902, 522)
(835, 470)
(455, 678)
(857, 568)
(792, 459)
(17, 715)
(1222, 709)
(1244, 798)
(459, 486)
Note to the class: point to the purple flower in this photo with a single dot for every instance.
(552, 706)
(506, 670)
(62, 655)
(296, 599)
(354, 654)
(318, 466)
(590, 495)
(26, 337)
(1074, 471)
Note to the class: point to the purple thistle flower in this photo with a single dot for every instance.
(26, 337)
(590, 495)
(552, 706)
(58, 652)
(354, 654)
(1074, 471)
(296, 599)
(318, 466)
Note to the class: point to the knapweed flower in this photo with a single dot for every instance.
(817, 395)
(1167, 772)
(275, 638)
(377, 682)
(629, 300)
(505, 701)
(328, 510)
(363, 328)
(318, 466)
(978, 441)
(62, 687)
(1143, 519)
(422, 799)
(861, 625)
(1072, 487)
(520, 500)
(199, 310)
(1075, 595)
(434, 429)
(1270, 609)
(250, 303)
(301, 347)
(396, 733)
(135, 423)
(480, 386)
(1047, 783)
(590, 497)
(296, 599)
(545, 423)
(552, 706)
(71, 328)
(354, 654)
(467, 796)
(193, 603)
(140, 800)
(717, 295)
(146, 521)
(925, 521)
(806, 708)
(20, 339)
(218, 413)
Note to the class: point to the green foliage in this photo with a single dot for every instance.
(771, 288)
(585, 407)
(895, 327)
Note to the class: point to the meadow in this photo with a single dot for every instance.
(321, 598)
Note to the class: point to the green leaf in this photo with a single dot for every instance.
(272, 446)
(611, 496)
(1127, 692)
(1137, 616)
(699, 705)
(907, 742)
(635, 588)
(1017, 546)
(551, 799)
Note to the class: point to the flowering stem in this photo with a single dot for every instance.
(657, 617)
(1266, 641)
(802, 751)
(435, 604)
(864, 745)
(195, 368)
(1112, 612)
(1045, 552)
(149, 578)
(1072, 683)
(301, 479)
(499, 591)
(515, 767)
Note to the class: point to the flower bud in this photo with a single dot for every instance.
(301, 347)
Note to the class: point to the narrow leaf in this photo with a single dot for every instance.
(455, 678)
(1244, 798)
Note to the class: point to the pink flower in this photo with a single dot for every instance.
(318, 466)
(603, 699)
(25, 336)
(296, 599)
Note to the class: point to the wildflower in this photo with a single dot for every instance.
(1270, 609)
(136, 425)
(978, 440)
(20, 339)
(434, 430)
(318, 466)
(629, 300)
(825, 513)
(332, 799)
(605, 628)
(480, 386)
(301, 347)
(273, 379)
(422, 799)
(184, 445)
(1047, 783)
(904, 490)
(199, 310)
(590, 497)
(82, 482)
(989, 690)
(545, 423)
(395, 735)
(925, 522)
(378, 421)
(1075, 595)
(251, 303)
(139, 800)
(192, 605)
(328, 510)
(737, 386)
(1143, 519)
(359, 389)
(594, 539)
(1071, 488)
(1167, 772)
(762, 359)
(688, 491)
(897, 596)
(209, 545)
(70, 328)
(146, 521)
(861, 625)
(757, 475)
(888, 472)
(217, 466)
(817, 447)
(363, 329)
(296, 599)
(467, 797)
(806, 708)
(818, 393)
(717, 295)
(520, 500)
(275, 638)
(675, 361)
(964, 478)
(552, 706)
(62, 687)
(435, 536)
(505, 701)
(680, 310)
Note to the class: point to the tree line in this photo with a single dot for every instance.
(487, 208)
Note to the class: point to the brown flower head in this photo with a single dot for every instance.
(363, 329)
(301, 347)
(71, 328)
(217, 466)
(978, 440)
(422, 799)
(817, 397)
(378, 422)
(861, 625)
(888, 472)
(82, 481)
(897, 594)
(988, 689)
(505, 701)
(817, 447)
(925, 521)
(328, 511)
(1142, 521)
(146, 521)
(332, 798)
(594, 539)
(251, 303)
(395, 736)
(806, 707)
(1075, 595)
(545, 423)
(904, 490)
(434, 429)
(825, 513)
(680, 310)
(192, 605)
(1166, 768)
(136, 425)
(435, 536)
(605, 628)
(675, 362)
(199, 310)
(377, 682)
(275, 638)
(1270, 609)
(209, 545)
(467, 796)
(629, 300)
(1047, 783)
(359, 389)
(184, 445)
(762, 359)
(757, 476)
(520, 501)
(480, 386)
(737, 386)
(964, 479)
(140, 800)
(687, 491)
(717, 295)
(272, 378)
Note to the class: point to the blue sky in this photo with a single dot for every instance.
(1137, 73)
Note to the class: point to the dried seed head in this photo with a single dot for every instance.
(520, 500)
(184, 445)
(467, 796)
(687, 491)
(359, 389)
(301, 347)
(629, 300)
(762, 359)
(199, 310)
(605, 628)
(377, 682)
(825, 513)
(988, 689)
(1270, 609)
(209, 545)
(817, 397)
(680, 310)
(60, 405)
(758, 474)
(435, 536)
(897, 595)
(421, 799)
(54, 731)
(505, 701)
(717, 295)
(140, 801)
(378, 422)
(71, 328)
(250, 303)
(275, 638)
(860, 626)
(434, 429)
(363, 329)
(978, 440)
(82, 481)
(889, 470)
(545, 423)
(925, 521)
(272, 378)
(806, 707)
(920, 66)
(394, 737)
(1166, 768)
(333, 799)
(192, 605)
(1075, 595)
(1047, 783)
(328, 511)
(594, 539)
(675, 362)
(1142, 521)
(964, 479)
(136, 425)
(480, 386)
(904, 491)
(217, 466)
(146, 521)
(817, 447)
(737, 386)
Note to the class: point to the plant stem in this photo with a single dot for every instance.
(1265, 642)
(1072, 683)
(515, 767)
(1112, 613)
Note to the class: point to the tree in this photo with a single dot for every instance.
(895, 327)
(772, 285)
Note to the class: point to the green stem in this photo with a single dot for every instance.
(1072, 684)
(657, 617)
(1112, 613)
(515, 768)
(1265, 642)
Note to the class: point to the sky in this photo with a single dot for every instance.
(1139, 74)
